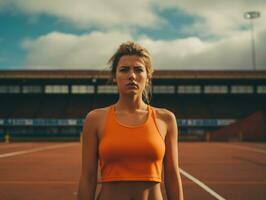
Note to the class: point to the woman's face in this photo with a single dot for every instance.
(131, 75)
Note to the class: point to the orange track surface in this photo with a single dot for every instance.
(233, 170)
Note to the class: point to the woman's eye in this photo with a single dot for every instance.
(123, 70)
(139, 70)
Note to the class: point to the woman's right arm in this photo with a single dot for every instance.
(88, 178)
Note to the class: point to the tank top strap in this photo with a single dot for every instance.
(111, 113)
(149, 112)
(153, 114)
(109, 116)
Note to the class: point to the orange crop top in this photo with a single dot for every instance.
(129, 153)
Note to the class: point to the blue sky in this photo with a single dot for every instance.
(184, 34)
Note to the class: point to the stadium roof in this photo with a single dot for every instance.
(158, 74)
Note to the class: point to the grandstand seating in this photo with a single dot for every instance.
(76, 106)
(8, 105)
(235, 106)
(165, 101)
(27, 104)
(184, 105)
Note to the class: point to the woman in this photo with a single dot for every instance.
(132, 140)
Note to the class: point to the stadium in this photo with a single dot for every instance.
(50, 105)
(220, 117)
(210, 72)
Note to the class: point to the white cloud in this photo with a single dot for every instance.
(91, 51)
(230, 48)
(90, 13)
(193, 54)
(59, 50)
(212, 17)
(215, 17)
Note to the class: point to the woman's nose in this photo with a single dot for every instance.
(132, 75)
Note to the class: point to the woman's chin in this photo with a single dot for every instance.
(131, 92)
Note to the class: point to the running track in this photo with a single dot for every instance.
(209, 170)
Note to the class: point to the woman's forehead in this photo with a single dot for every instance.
(129, 60)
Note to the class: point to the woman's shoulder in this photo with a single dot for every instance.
(164, 114)
(96, 114)
(93, 120)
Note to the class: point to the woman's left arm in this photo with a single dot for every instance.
(172, 178)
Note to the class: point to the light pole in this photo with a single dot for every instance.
(252, 15)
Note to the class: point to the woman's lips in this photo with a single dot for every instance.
(132, 85)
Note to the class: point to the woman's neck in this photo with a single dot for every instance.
(130, 104)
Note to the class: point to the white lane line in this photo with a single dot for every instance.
(11, 145)
(35, 150)
(201, 184)
(246, 148)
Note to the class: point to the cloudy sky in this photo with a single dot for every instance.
(83, 34)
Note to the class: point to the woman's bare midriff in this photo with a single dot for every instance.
(130, 190)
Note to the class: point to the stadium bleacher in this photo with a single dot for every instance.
(185, 106)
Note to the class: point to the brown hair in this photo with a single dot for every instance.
(132, 48)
